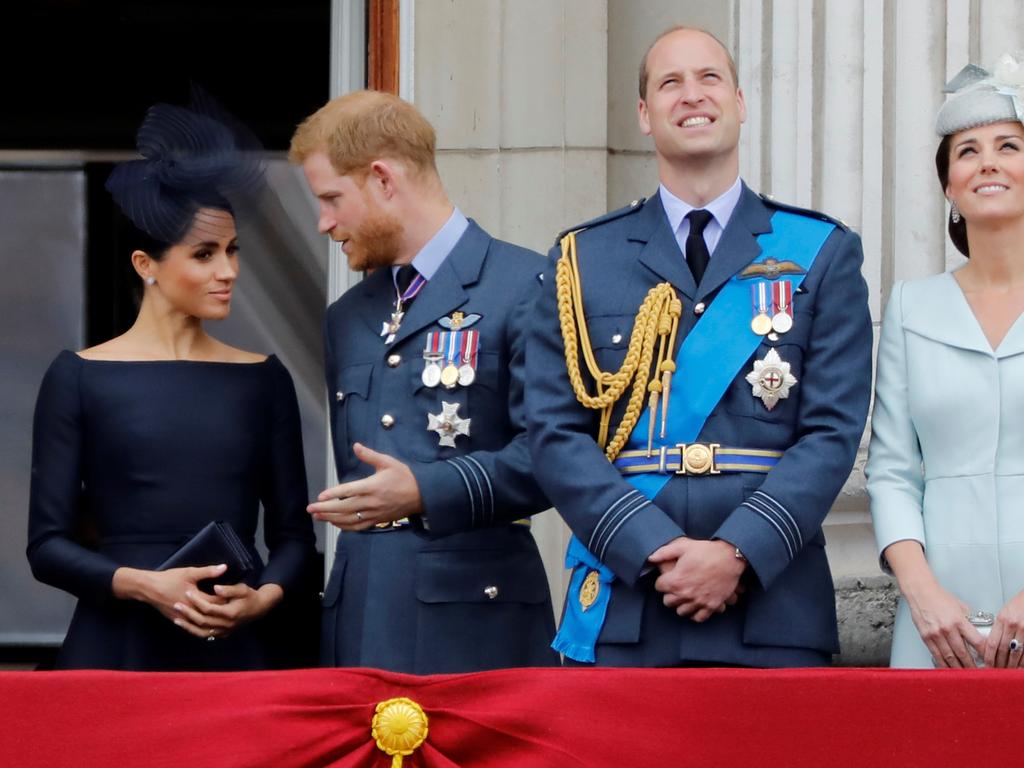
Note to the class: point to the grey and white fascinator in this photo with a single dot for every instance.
(980, 97)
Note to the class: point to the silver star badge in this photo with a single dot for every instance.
(447, 424)
(771, 379)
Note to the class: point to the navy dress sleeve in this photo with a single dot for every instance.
(287, 527)
(54, 552)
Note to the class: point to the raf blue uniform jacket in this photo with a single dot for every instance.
(464, 587)
(787, 616)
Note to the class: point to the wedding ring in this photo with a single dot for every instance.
(210, 638)
(359, 516)
(1015, 645)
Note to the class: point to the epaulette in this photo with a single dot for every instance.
(604, 218)
(769, 200)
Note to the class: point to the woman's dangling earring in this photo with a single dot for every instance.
(954, 212)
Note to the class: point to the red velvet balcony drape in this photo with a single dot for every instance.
(522, 718)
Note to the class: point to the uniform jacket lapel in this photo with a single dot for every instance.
(660, 252)
(445, 292)
(738, 245)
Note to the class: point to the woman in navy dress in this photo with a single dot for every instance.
(141, 441)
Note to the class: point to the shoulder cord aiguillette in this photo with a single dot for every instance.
(657, 322)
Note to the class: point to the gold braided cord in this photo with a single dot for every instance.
(657, 320)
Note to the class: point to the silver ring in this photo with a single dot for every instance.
(359, 516)
(210, 637)
(1015, 645)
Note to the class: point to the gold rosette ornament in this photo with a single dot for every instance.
(399, 727)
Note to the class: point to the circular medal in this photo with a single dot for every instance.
(450, 376)
(761, 324)
(782, 322)
(431, 375)
(467, 375)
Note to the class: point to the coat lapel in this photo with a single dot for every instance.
(445, 291)
(660, 252)
(738, 244)
(937, 309)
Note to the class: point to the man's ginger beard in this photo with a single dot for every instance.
(375, 243)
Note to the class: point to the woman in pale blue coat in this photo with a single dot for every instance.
(946, 462)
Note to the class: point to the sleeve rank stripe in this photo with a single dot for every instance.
(771, 520)
(487, 480)
(611, 535)
(769, 511)
(479, 486)
(469, 492)
(609, 511)
(785, 512)
(616, 521)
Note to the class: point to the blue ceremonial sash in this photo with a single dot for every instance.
(719, 344)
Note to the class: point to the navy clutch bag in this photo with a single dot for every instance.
(216, 543)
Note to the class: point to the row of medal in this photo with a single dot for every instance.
(772, 304)
(450, 358)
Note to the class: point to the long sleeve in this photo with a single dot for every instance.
(288, 529)
(56, 557)
(895, 479)
(608, 515)
(487, 488)
(787, 511)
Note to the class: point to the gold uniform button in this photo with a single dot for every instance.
(491, 592)
(698, 308)
(339, 396)
(387, 421)
(394, 361)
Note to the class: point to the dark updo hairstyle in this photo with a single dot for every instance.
(957, 229)
(191, 158)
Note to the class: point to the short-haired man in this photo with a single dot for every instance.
(706, 358)
(436, 569)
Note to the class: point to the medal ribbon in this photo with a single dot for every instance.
(782, 297)
(718, 346)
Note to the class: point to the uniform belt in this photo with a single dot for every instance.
(696, 459)
(406, 523)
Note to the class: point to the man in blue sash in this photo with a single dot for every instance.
(436, 569)
(700, 369)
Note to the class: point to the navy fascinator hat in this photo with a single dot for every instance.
(192, 158)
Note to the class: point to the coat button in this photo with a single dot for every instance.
(339, 396)
(616, 338)
(387, 421)
(394, 361)
(698, 308)
(491, 592)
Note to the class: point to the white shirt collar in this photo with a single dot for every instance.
(721, 210)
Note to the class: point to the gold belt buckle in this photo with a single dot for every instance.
(697, 459)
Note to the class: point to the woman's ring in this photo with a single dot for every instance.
(210, 637)
(359, 516)
(1015, 645)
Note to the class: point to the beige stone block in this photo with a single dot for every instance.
(458, 70)
(586, 73)
(631, 176)
(533, 197)
(472, 182)
(586, 182)
(532, 65)
(631, 28)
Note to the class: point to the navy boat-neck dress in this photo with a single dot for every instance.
(130, 459)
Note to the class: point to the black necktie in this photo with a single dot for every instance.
(403, 279)
(697, 255)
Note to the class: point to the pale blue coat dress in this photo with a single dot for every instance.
(946, 461)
